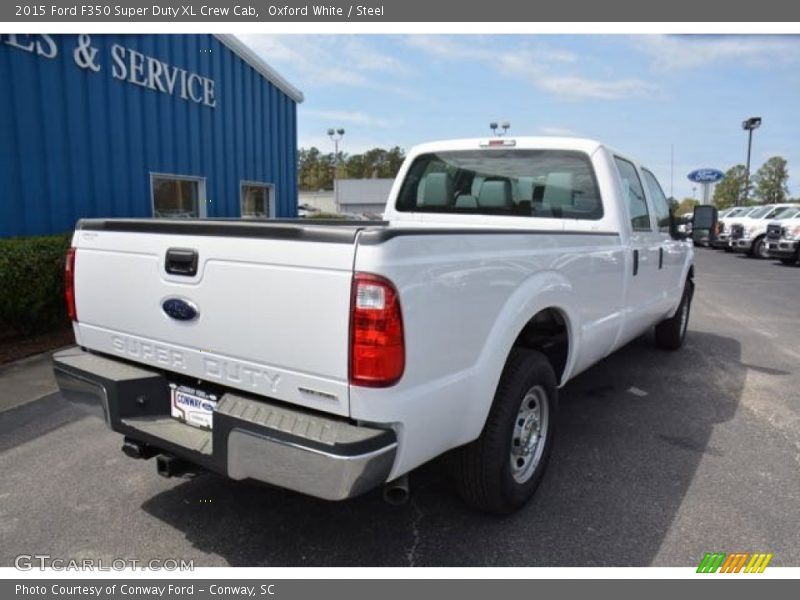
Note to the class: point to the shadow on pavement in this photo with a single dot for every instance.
(632, 431)
(24, 423)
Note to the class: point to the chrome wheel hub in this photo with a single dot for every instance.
(529, 434)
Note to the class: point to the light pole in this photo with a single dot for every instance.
(749, 125)
(336, 135)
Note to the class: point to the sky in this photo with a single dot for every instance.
(647, 96)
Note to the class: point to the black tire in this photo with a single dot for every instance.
(483, 468)
(671, 332)
(728, 249)
(789, 261)
(759, 248)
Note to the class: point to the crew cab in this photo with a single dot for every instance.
(333, 358)
(783, 239)
(748, 234)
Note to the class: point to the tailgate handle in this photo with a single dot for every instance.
(181, 261)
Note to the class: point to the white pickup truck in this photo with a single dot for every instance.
(749, 233)
(333, 358)
(783, 238)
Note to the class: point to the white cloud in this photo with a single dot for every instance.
(557, 131)
(345, 116)
(541, 65)
(597, 89)
(448, 48)
(325, 60)
(481, 48)
(307, 56)
(671, 52)
(365, 57)
(554, 54)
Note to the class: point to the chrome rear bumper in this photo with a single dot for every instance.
(252, 438)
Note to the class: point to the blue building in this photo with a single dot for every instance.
(141, 126)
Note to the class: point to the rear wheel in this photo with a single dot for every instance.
(501, 470)
(671, 332)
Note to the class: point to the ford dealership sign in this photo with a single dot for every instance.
(705, 175)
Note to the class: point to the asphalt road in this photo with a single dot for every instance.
(660, 457)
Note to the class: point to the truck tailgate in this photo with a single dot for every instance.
(272, 303)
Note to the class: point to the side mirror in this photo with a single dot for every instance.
(677, 228)
(704, 221)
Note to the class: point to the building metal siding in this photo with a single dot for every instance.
(75, 143)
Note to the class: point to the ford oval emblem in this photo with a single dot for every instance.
(705, 176)
(180, 309)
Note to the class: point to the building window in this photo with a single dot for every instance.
(256, 200)
(178, 197)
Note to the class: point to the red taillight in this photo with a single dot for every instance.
(69, 285)
(377, 348)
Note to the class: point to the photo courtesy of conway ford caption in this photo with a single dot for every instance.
(504, 267)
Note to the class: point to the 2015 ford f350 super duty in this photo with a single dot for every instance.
(332, 358)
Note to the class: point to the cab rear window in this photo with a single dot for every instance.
(524, 183)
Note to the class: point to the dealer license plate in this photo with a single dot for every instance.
(193, 407)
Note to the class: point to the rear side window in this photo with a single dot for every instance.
(660, 204)
(634, 195)
(524, 183)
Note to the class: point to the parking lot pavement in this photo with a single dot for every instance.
(660, 458)
(26, 380)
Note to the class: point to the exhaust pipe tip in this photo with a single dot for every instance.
(397, 492)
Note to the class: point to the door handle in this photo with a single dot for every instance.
(635, 263)
(181, 261)
(660, 257)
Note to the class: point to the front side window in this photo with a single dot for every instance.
(660, 203)
(633, 194)
(256, 200)
(524, 183)
(761, 212)
(175, 197)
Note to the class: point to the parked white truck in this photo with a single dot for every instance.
(748, 234)
(722, 239)
(783, 239)
(333, 358)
